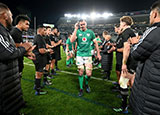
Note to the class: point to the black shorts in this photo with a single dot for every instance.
(118, 67)
(53, 56)
(48, 58)
(40, 63)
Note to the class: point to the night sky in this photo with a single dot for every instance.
(49, 11)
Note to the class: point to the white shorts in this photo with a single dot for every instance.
(69, 53)
(83, 60)
(92, 52)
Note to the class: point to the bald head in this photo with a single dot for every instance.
(3, 8)
(5, 16)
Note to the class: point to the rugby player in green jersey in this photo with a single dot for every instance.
(69, 51)
(84, 36)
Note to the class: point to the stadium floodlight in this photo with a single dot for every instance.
(106, 15)
(78, 15)
(50, 25)
(68, 15)
(84, 16)
(74, 15)
(93, 15)
(99, 15)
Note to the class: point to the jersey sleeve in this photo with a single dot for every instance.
(9, 51)
(93, 35)
(40, 43)
(15, 37)
(52, 38)
(67, 42)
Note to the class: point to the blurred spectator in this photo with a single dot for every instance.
(107, 57)
(11, 100)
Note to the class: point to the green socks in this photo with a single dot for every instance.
(67, 62)
(86, 79)
(71, 60)
(81, 81)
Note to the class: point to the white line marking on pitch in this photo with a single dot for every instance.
(67, 72)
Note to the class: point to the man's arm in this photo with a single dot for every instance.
(9, 52)
(58, 43)
(67, 47)
(126, 52)
(43, 50)
(74, 35)
(146, 46)
(97, 48)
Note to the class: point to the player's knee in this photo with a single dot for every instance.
(81, 67)
(89, 74)
(89, 68)
(81, 72)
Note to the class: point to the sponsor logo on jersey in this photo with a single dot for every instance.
(80, 34)
(88, 34)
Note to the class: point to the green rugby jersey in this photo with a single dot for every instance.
(69, 44)
(84, 39)
(92, 45)
(99, 41)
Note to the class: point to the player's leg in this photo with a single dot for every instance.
(71, 57)
(79, 62)
(52, 66)
(88, 65)
(39, 74)
(68, 59)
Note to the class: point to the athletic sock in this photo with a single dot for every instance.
(71, 60)
(67, 62)
(108, 75)
(52, 71)
(38, 84)
(124, 93)
(45, 75)
(86, 79)
(81, 81)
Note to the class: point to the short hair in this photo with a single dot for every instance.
(105, 32)
(127, 19)
(96, 35)
(116, 25)
(81, 20)
(54, 28)
(40, 26)
(69, 34)
(3, 7)
(21, 17)
(47, 27)
(156, 5)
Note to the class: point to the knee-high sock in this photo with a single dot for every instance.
(52, 71)
(56, 63)
(108, 74)
(86, 79)
(45, 75)
(124, 93)
(38, 84)
(81, 81)
(71, 59)
(67, 62)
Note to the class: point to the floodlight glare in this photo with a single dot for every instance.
(84, 16)
(93, 15)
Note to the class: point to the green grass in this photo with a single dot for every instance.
(62, 97)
